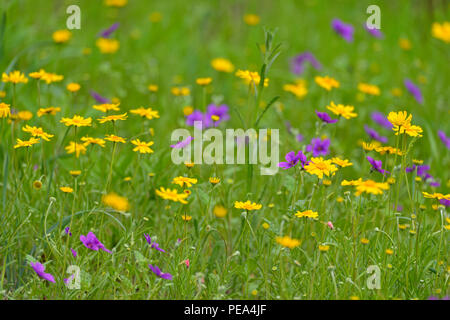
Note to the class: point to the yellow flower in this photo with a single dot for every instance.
(116, 3)
(369, 89)
(37, 132)
(155, 17)
(402, 124)
(389, 252)
(326, 82)
(214, 180)
(438, 196)
(187, 110)
(37, 74)
(37, 185)
(105, 107)
(364, 241)
(5, 110)
(181, 181)
(186, 217)
(61, 36)
(172, 195)
(340, 162)
(51, 110)
(219, 211)
(390, 150)
(114, 138)
(75, 173)
(339, 199)
(248, 205)
(76, 148)
(24, 115)
(107, 46)
(142, 146)
(152, 88)
(2, 94)
(441, 31)
(14, 77)
(148, 113)
(51, 77)
(323, 248)
(114, 117)
(26, 143)
(319, 167)
(354, 298)
(288, 242)
(203, 81)
(265, 225)
(180, 91)
(341, 110)
(222, 65)
(298, 89)
(351, 182)
(405, 44)
(251, 77)
(189, 165)
(66, 189)
(411, 130)
(89, 140)
(370, 186)
(116, 202)
(77, 121)
(371, 145)
(251, 19)
(307, 214)
(73, 87)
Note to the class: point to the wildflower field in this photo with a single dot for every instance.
(353, 104)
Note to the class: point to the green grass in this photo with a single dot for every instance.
(232, 257)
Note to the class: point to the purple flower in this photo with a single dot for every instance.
(67, 231)
(299, 137)
(445, 140)
(414, 91)
(343, 29)
(182, 143)
(318, 147)
(98, 97)
(74, 253)
(374, 32)
(376, 165)
(90, 241)
(160, 274)
(220, 111)
(292, 159)
(153, 245)
(374, 135)
(107, 32)
(39, 269)
(198, 119)
(298, 62)
(67, 280)
(380, 119)
(325, 117)
(445, 202)
(422, 171)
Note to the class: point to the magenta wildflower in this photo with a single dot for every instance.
(159, 273)
(343, 29)
(375, 135)
(220, 111)
(380, 119)
(330, 225)
(107, 32)
(183, 143)
(74, 253)
(153, 245)
(39, 268)
(445, 202)
(90, 241)
(299, 137)
(318, 147)
(292, 159)
(67, 231)
(298, 62)
(414, 91)
(376, 165)
(98, 97)
(445, 140)
(374, 32)
(325, 117)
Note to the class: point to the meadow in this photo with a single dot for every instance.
(92, 205)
